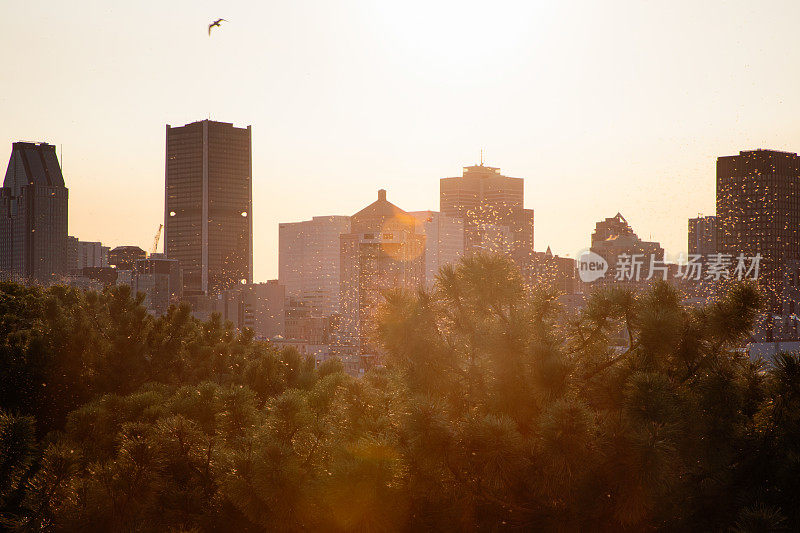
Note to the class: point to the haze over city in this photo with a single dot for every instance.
(601, 107)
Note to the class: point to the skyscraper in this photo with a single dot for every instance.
(308, 261)
(615, 241)
(703, 236)
(208, 223)
(758, 212)
(444, 241)
(491, 206)
(33, 214)
(382, 251)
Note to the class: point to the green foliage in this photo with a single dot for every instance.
(495, 410)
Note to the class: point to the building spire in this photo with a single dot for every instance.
(481, 156)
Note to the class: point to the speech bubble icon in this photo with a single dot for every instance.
(591, 266)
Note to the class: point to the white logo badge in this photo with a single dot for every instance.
(591, 266)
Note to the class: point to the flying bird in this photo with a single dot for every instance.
(217, 23)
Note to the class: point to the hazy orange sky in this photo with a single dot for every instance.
(601, 106)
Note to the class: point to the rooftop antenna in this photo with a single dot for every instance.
(481, 156)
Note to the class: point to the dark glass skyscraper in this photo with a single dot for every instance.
(758, 212)
(208, 223)
(33, 214)
(703, 236)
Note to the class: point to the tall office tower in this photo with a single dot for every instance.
(491, 206)
(444, 241)
(613, 238)
(33, 214)
(208, 223)
(308, 261)
(382, 251)
(758, 212)
(703, 236)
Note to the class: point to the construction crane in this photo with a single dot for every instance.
(156, 239)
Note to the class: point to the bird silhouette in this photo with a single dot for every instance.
(217, 23)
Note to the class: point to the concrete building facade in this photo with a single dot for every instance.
(444, 241)
(159, 279)
(614, 239)
(308, 261)
(258, 306)
(383, 250)
(551, 271)
(492, 207)
(82, 254)
(125, 257)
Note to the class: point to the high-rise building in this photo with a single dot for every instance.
(208, 223)
(33, 214)
(444, 241)
(308, 261)
(758, 212)
(615, 241)
(491, 206)
(382, 251)
(703, 236)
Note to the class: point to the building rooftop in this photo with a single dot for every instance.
(33, 164)
(380, 208)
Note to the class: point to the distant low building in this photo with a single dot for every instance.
(104, 275)
(302, 323)
(81, 254)
(551, 271)
(159, 279)
(125, 277)
(125, 257)
(258, 306)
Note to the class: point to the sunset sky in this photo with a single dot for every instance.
(601, 106)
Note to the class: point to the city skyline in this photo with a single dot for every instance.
(632, 124)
